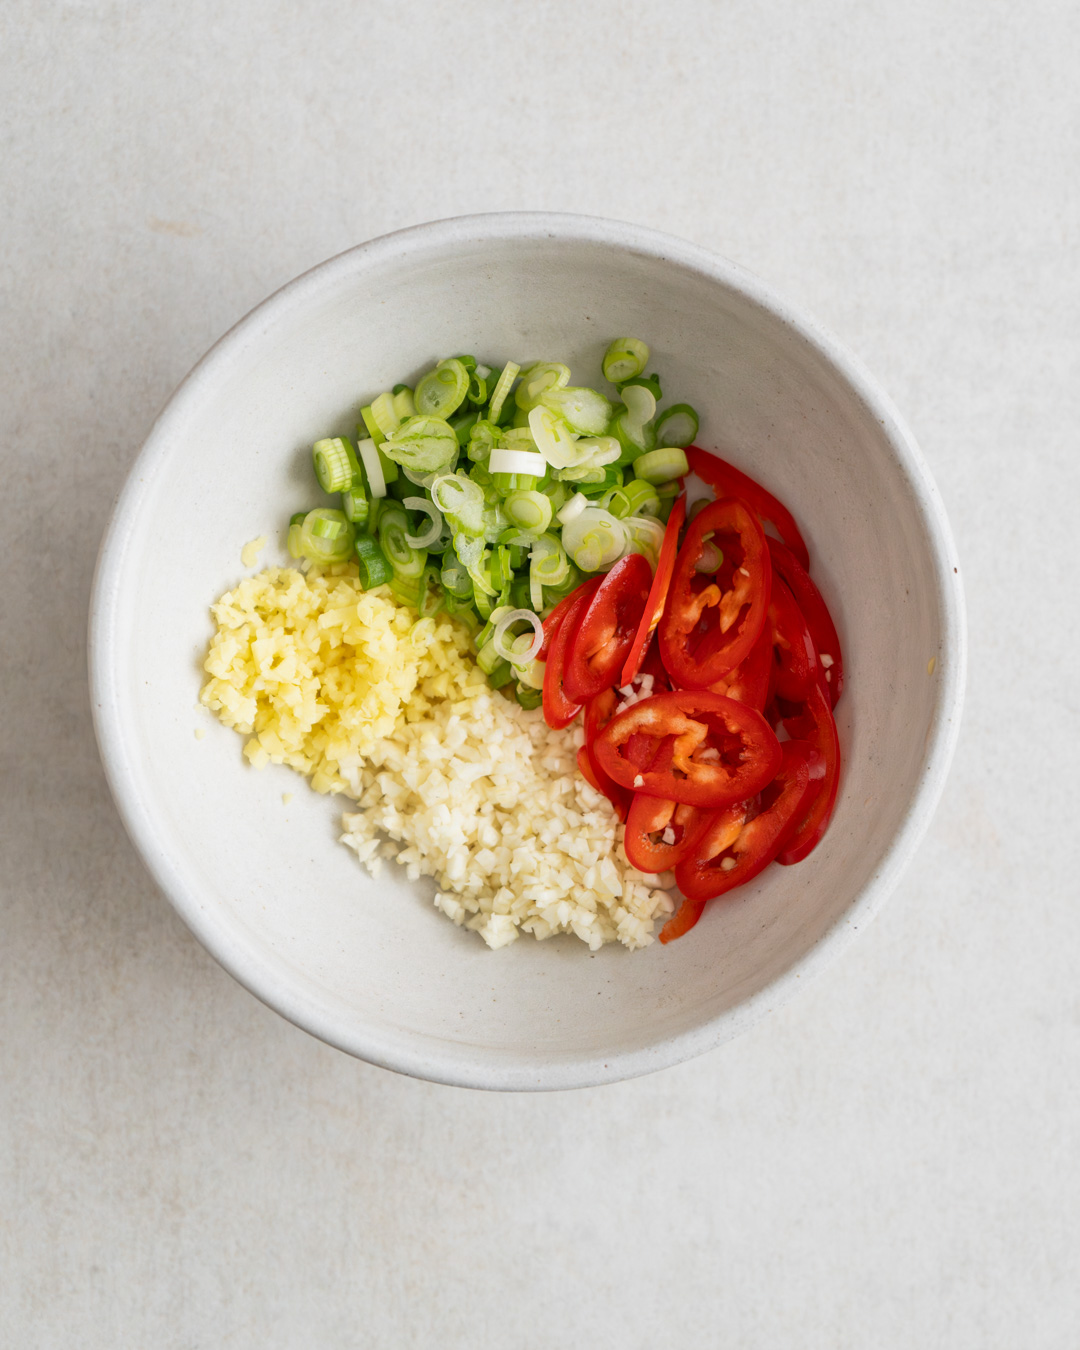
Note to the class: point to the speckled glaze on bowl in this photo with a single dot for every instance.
(370, 966)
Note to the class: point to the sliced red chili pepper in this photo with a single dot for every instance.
(816, 613)
(725, 856)
(749, 681)
(711, 622)
(650, 819)
(559, 710)
(605, 631)
(728, 481)
(797, 664)
(813, 722)
(598, 713)
(723, 751)
(555, 618)
(654, 606)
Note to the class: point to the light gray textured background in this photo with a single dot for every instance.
(888, 1161)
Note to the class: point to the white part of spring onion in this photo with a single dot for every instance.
(423, 480)
(532, 675)
(573, 508)
(505, 623)
(595, 539)
(503, 386)
(482, 371)
(624, 359)
(640, 404)
(661, 466)
(385, 414)
(517, 461)
(644, 535)
(584, 410)
(554, 439)
(529, 509)
(433, 531)
(369, 457)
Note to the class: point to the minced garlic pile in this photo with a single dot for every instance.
(457, 782)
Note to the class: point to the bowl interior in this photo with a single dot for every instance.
(371, 965)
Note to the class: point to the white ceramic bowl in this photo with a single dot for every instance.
(371, 966)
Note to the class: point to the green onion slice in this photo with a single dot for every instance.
(594, 539)
(294, 540)
(385, 414)
(644, 534)
(371, 561)
(517, 461)
(326, 536)
(355, 504)
(640, 402)
(625, 358)
(502, 629)
(369, 457)
(442, 390)
(658, 466)
(537, 380)
(407, 561)
(649, 382)
(423, 443)
(677, 425)
(503, 385)
(455, 579)
(431, 592)
(404, 406)
(573, 508)
(335, 463)
(530, 695)
(583, 410)
(529, 509)
(434, 530)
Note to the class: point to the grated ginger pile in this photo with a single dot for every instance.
(457, 782)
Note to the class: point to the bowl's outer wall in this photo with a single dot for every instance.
(368, 964)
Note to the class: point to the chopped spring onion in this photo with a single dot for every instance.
(355, 504)
(294, 537)
(372, 426)
(455, 579)
(433, 531)
(529, 509)
(335, 463)
(403, 402)
(636, 498)
(644, 534)
(625, 358)
(502, 388)
(677, 425)
(423, 443)
(423, 480)
(469, 548)
(504, 625)
(529, 696)
(640, 403)
(407, 562)
(369, 457)
(461, 500)
(658, 466)
(583, 410)
(385, 414)
(478, 389)
(548, 566)
(483, 437)
(554, 439)
(537, 380)
(635, 438)
(431, 592)
(487, 658)
(442, 390)
(374, 569)
(517, 461)
(594, 539)
(326, 536)
(519, 438)
(649, 382)
(573, 508)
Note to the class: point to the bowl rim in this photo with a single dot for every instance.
(422, 1058)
